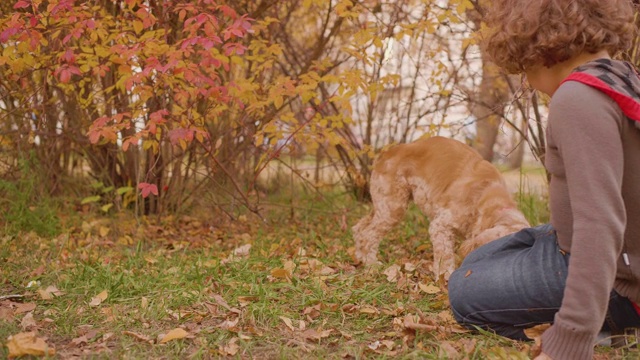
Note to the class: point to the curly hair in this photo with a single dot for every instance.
(525, 33)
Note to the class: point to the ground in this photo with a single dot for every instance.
(202, 286)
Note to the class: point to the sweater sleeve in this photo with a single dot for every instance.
(585, 125)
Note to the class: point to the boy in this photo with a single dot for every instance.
(582, 271)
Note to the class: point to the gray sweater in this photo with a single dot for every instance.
(593, 155)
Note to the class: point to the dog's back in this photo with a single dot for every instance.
(461, 194)
(440, 171)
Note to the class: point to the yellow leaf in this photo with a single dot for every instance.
(280, 273)
(98, 299)
(104, 231)
(28, 344)
(177, 333)
(277, 102)
(536, 331)
(137, 26)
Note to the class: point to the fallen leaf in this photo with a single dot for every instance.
(289, 266)
(222, 302)
(28, 322)
(133, 334)
(429, 289)
(98, 299)
(448, 351)
(312, 312)
(177, 333)
(6, 314)
(229, 324)
(367, 309)
(246, 300)
(38, 271)
(374, 345)
(287, 322)
(23, 308)
(349, 308)
(104, 231)
(49, 293)
(28, 344)
(230, 348)
(326, 271)
(144, 302)
(316, 335)
(423, 247)
(409, 267)
(469, 345)
(536, 331)
(392, 273)
(280, 273)
(446, 317)
(469, 272)
(242, 250)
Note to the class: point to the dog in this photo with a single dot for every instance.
(462, 195)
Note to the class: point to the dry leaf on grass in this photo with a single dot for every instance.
(137, 336)
(49, 293)
(368, 309)
(409, 267)
(246, 300)
(98, 299)
(84, 339)
(316, 335)
(448, 351)
(392, 273)
(28, 322)
(6, 314)
(23, 308)
(242, 250)
(175, 334)
(28, 344)
(222, 302)
(230, 348)
(287, 322)
(413, 322)
(239, 252)
(229, 324)
(429, 289)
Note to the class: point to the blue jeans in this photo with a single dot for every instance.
(517, 282)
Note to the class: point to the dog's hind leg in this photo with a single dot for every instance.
(390, 199)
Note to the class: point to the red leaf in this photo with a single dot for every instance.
(21, 4)
(227, 11)
(147, 189)
(65, 76)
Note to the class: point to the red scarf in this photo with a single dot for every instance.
(618, 80)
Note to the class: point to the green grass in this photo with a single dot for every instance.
(175, 274)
